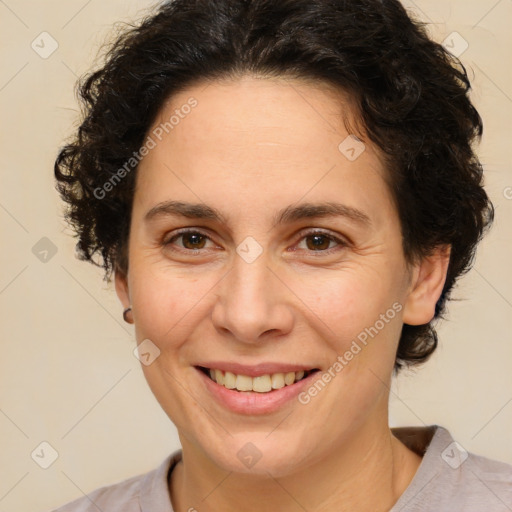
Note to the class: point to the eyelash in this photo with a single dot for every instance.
(331, 238)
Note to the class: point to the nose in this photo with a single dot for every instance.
(253, 304)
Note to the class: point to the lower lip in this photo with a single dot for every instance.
(252, 402)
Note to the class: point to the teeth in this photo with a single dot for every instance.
(260, 384)
(229, 380)
(277, 381)
(219, 377)
(289, 378)
(243, 383)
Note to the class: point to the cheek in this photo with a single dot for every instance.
(347, 301)
(165, 305)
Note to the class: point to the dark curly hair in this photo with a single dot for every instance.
(411, 97)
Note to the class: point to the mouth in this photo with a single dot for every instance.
(266, 383)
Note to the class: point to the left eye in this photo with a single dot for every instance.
(195, 240)
(319, 242)
(192, 240)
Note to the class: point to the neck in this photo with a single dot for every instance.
(368, 472)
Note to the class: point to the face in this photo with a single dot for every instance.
(260, 249)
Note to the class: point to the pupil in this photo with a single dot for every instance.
(317, 243)
(195, 237)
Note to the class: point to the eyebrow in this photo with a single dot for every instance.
(291, 213)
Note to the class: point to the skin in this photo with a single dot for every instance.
(251, 147)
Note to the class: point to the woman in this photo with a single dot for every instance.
(286, 193)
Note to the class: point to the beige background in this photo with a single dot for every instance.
(68, 375)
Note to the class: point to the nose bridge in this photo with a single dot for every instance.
(249, 304)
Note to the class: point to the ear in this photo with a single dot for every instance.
(428, 278)
(121, 283)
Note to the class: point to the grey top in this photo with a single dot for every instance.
(448, 479)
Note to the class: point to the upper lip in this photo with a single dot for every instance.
(256, 370)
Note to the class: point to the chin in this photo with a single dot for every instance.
(257, 454)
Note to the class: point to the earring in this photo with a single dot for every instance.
(127, 312)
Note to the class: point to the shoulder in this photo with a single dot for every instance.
(119, 496)
(451, 478)
(130, 495)
(484, 482)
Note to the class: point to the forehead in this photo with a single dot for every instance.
(258, 138)
(252, 112)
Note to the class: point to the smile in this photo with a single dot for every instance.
(259, 384)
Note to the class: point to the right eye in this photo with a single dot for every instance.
(192, 240)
